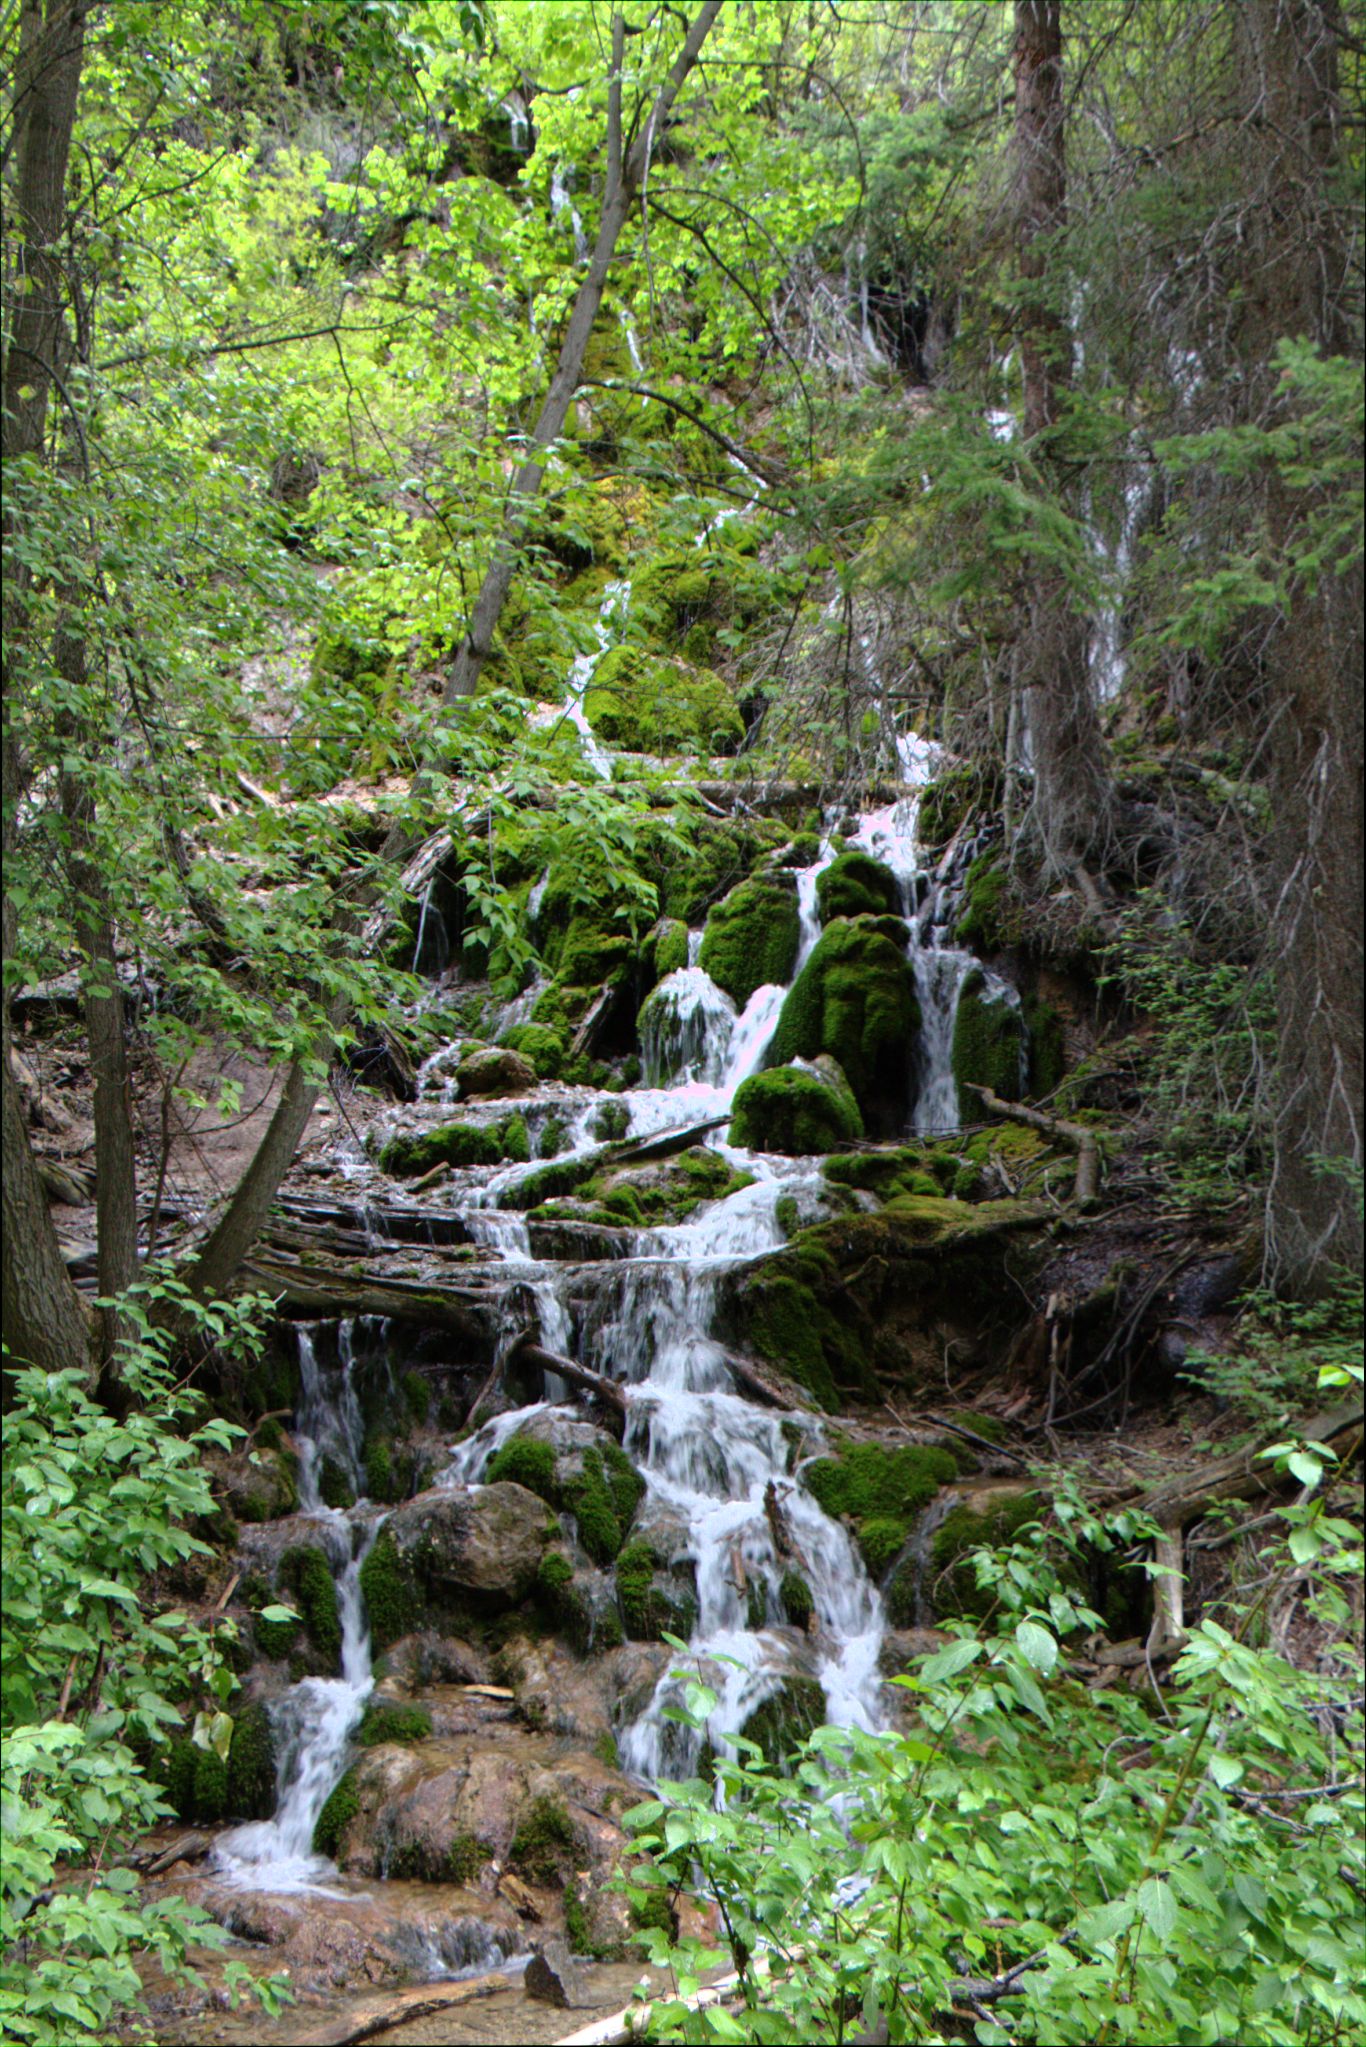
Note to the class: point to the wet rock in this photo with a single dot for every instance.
(477, 1545)
(255, 1486)
(802, 1110)
(427, 1658)
(500, 1070)
(552, 1977)
(752, 936)
(855, 999)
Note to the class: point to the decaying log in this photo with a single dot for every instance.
(1178, 1501)
(321, 1291)
(1081, 1139)
(403, 2008)
(1168, 1630)
(768, 1392)
(527, 1350)
(598, 1012)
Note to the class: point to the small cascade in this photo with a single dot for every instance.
(686, 1030)
(615, 600)
(939, 976)
(471, 1459)
(918, 1552)
(313, 1721)
(562, 206)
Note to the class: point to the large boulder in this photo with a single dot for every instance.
(855, 884)
(752, 936)
(497, 1070)
(472, 1547)
(855, 999)
(803, 1110)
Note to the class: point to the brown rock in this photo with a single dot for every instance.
(552, 1977)
(497, 1071)
(479, 1544)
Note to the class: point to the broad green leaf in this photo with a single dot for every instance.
(1037, 1645)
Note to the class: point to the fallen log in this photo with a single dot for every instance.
(768, 1392)
(402, 2009)
(1077, 1135)
(527, 1350)
(1178, 1501)
(309, 1290)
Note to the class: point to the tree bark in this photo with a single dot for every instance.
(45, 1320)
(625, 172)
(1072, 791)
(1297, 281)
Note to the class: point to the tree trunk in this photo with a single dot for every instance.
(1297, 281)
(45, 1320)
(1072, 794)
(625, 173)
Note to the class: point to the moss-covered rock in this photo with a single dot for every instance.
(981, 921)
(389, 1590)
(382, 1723)
(909, 1169)
(951, 795)
(780, 1314)
(855, 1000)
(785, 1720)
(880, 1491)
(603, 1500)
(1047, 1046)
(544, 1048)
(752, 936)
(647, 704)
(855, 885)
(669, 1191)
(251, 1766)
(650, 1606)
(455, 1144)
(543, 1846)
(950, 1581)
(803, 1110)
(563, 1602)
(798, 1604)
(526, 1462)
(989, 1040)
(210, 1786)
(306, 1574)
(671, 946)
(339, 1809)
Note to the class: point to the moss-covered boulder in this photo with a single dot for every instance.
(670, 946)
(251, 1765)
(388, 1585)
(785, 1719)
(472, 1552)
(778, 1310)
(646, 704)
(854, 885)
(880, 1492)
(803, 1110)
(855, 999)
(990, 1040)
(651, 1601)
(752, 936)
(306, 1577)
(948, 1581)
(543, 1048)
(455, 1144)
(496, 1070)
(982, 920)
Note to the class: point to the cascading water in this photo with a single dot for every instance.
(314, 1720)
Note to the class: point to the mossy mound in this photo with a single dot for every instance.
(456, 1144)
(982, 921)
(1047, 1046)
(782, 1316)
(752, 936)
(798, 1604)
(646, 704)
(251, 1766)
(603, 1500)
(306, 1574)
(989, 1040)
(855, 885)
(339, 1809)
(951, 1581)
(392, 1606)
(671, 946)
(696, 870)
(382, 1723)
(526, 1462)
(649, 1609)
(645, 1197)
(785, 1720)
(855, 1000)
(797, 1110)
(881, 1491)
(545, 1048)
(543, 1845)
(562, 1602)
(910, 1169)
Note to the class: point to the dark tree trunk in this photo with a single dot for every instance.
(1297, 282)
(45, 1319)
(1072, 794)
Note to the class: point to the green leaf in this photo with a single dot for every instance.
(946, 1663)
(1037, 1646)
(1158, 1906)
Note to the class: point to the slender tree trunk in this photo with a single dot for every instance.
(1297, 281)
(45, 1319)
(1072, 793)
(625, 172)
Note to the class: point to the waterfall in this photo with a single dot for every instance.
(313, 1721)
(616, 598)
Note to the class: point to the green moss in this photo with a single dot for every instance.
(988, 1426)
(417, 1395)
(910, 1169)
(648, 704)
(564, 1606)
(612, 1121)
(459, 1863)
(803, 851)
(671, 947)
(451, 1144)
(624, 1482)
(797, 1601)
(879, 1539)
(784, 1721)
(551, 1182)
(785, 1320)
(276, 1639)
(647, 1610)
(177, 1774)
(544, 1841)
(515, 1140)
(854, 885)
(1047, 1047)
(589, 1499)
(334, 1487)
(722, 853)
(379, 1470)
(251, 1766)
(210, 1786)
(605, 1749)
(339, 1809)
(381, 1723)
(554, 1137)
(391, 1602)
(868, 1481)
(525, 1461)
(794, 1111)
(545, 1048)
(752, 936)
(951, 796)
(855, 999)
(576, 1926)
(307, 1574)
(981, 920)
(988, 1039)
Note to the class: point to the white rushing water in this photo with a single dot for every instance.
(313, 1721)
